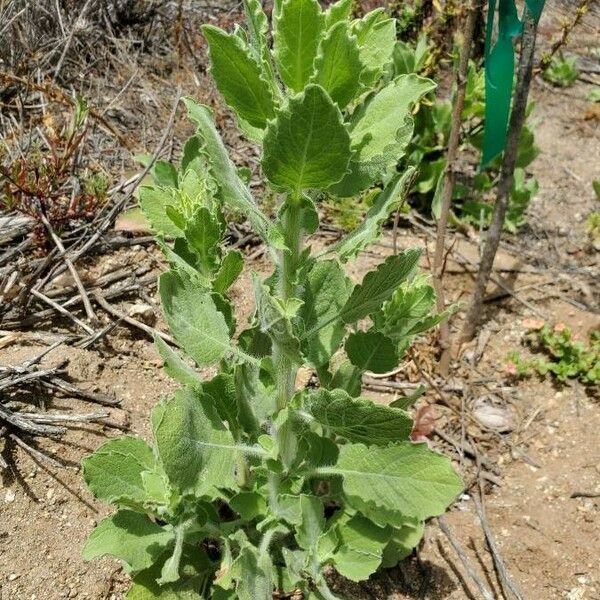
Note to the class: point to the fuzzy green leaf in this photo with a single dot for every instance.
(203, 233)
(307, 145)
(371, 351)
(338, 66)
(229, 270)
(359, 419)
(198, 452)
(380, 131)
(378, 286)
(298, 29)
(275, 318)
(223, 390)
(193, 319)
(404, 539)
(234, 193)
(131, 537)
(253, 572)
(362, 543)
(338, 11)
(165, 174)
(195, 570)
(154, 202)
(326, 289)
(375, 124)
(407, 478)
(312, 522)
(408, 312)
(248, 505)
(175, 366)
(114, 472)
(384, 204)
(376, 35)
(238, 77)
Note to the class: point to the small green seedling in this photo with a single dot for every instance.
(562, 356)
(254, 485)
(562, 71)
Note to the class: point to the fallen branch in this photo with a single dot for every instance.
(483, 589)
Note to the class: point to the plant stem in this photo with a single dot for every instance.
(285, 372)
(517, 120)
(451, 154)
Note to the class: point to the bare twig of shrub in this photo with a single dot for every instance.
(517, 120)
(448, 184)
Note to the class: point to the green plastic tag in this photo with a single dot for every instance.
(499, 72)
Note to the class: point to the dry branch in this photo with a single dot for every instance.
(448, 183)
(517, 120)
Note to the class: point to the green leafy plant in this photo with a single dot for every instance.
(426, 151)
(565, 357)
(594, 94)
(596, 186)
(42, 179)
(592, 224)
(252, 484)
(562, 71)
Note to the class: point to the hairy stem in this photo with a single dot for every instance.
(285, 371)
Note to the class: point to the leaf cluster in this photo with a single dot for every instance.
(562, 71)
(252, 484)
(562, 356)
(472, 194)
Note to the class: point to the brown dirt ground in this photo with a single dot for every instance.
(549, 540)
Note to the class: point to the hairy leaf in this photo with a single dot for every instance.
(338, 66)
(233, 191)
(307, 145)
(195, 569)
(338, 11)
(380, 130)
(239, 78)
(198, 452)
(275, 318)
(384, 204)
(361, 548)
(404, 539)
(114, 471)
(229, 270)
(203, 233)
(131, 537)
(298, 29)
(154, 202)
(359, 419)
(408, 478)
(371, 351)
(193, 319)
(253, 571)
(378, 286)
(312, 522)
(175, 366)
(376, 35)
(326, 289)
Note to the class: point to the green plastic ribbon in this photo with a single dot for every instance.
(499, 72)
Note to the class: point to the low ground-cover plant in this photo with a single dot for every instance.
(252, 485)
(562, 71)
(562, 355)
(50, 178)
